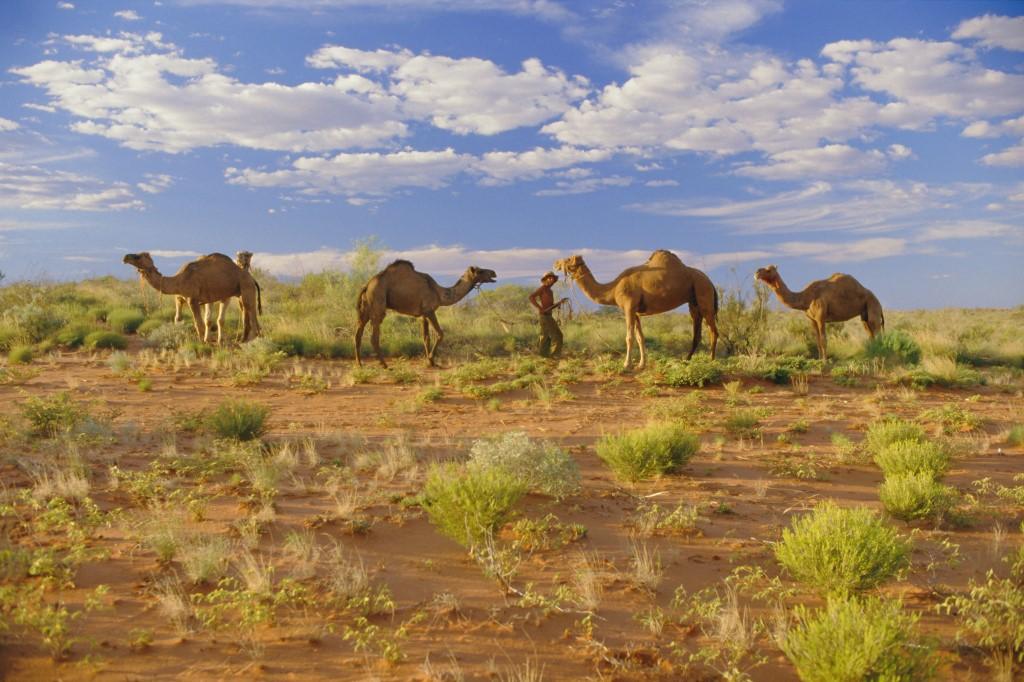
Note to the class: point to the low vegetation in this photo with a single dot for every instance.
(652, 451)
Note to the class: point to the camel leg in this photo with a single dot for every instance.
(177, 309)
(206, 322)
(638, 333)
(630, 324)
(713, 328)
(358, 341)
(220, 320)
(197, 314)
(375, 341)
(697, 319)
(425, 327)
(819, 329)
(432, 316)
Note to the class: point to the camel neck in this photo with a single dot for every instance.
(165, 285)
(455, 293)
(791, 299)
(595, 291)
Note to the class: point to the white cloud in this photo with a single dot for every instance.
(1011, 156)
(32, 187)
(832, 252)
(828, 161)
(502, 167)
(7, 125)
(584, 185)
(127, 15)
(968, 229)
(549, 10)
(155, 183)
(661, 183)
(993, 31)
(467, 95)
(171, 253)
(65, 5)
(1013, 126)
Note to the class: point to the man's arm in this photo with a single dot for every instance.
(533, 299)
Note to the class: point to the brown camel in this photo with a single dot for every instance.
(244, 261)
(208, 279)
(836, 299)
(400, 288)
(661, 284)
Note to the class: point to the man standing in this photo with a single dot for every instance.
(544, 301)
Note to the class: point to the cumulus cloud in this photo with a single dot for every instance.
(549, 10)
(830, 160)
(7, 125)
(155, 183)
(467, 95)
(127, 15)
(33, 187)
(1011, 156)
(503, 167)
(993, 31)
(584, 185)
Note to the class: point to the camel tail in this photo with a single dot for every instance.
(363, 305)
(259, 298)
(716, 298)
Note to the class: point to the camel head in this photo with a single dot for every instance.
(244, 259)
(479, 275)
(769, 275)
(142, 262)
(571, 266)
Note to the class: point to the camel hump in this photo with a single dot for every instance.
(400, 263)
(664, 256)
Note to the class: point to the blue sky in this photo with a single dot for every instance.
(882, 139)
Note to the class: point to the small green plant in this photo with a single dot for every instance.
(53, 414)
(743, 423)
(429, 395)
(993, 613)
(910, 496)
(1016, 435)
(840, 551)
(894, 348)
(125, 320)
(238, 419)
(912, 457)
(468, 503)
(105, 339)
(852, 640)
(20, 355)
(697, 371)
(649, 452)
(882, 433)
(953, 419)
(543, 467)
(653, 519)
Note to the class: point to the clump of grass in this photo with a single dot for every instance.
(910, 496)
(238, 419)
(894, 348)
(840, 551)
(105, 339)
(205, 559)
(743, 423)
(913, 457)
(697, 371)
(543, 467)
(468, 504)
(20, 355)
(881, 433)
(125, 320)
(953, 419)
(53, 414)
(1015, 436)
(73, 335)
(851, 640)
(649, 452)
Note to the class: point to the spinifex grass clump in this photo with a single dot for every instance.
(882, 433)
(697, 371)
(20, 355)
(105, 339)
(852, 640)
(645, 453)
(894, 348)
(238, 419)
(470, 503)
(910, 496)
(54, 414)
(544, 467)
(840, 551)
(913, 457)
(125, 320)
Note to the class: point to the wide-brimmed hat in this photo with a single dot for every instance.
(549, 275)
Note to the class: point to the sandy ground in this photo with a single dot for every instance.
(746, 503)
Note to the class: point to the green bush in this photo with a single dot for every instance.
(125, 320)
(168, 335)
(912, 457)
(894, 348)
(697, 371)
(839, 551)
(1016, 435)
(467, 504)
(543, 467)
(648, 452)
(300, 346)
(150, 325)
(881, 433)
(104, 339)
(910, 496)
(53, 414)
(238, 419)
(852, 640)
(20, 355)
(993, 612)
(73, 335)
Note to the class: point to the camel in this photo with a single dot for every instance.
(836, 299)
(244, 261)
(659, 285)
(208, 279)
(400, 288)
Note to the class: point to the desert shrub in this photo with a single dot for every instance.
(73, 335)
(839, 551)
(295, 345)
(468, 504)
(34, 322)
(125, 320)
(168, 335)
(912, 457)
(993, 612)
(53, 414)
(20, 355)
(743, 423)
(953, 418)
(945, 371)
(910, 496)
(544, 467)
(151, 324)
(1016, 435)
(894, 348)
(644, 453)
(697, 371)
(104, 339)
(238, 419)
(851, 640)
(743, 320)
(881, 433)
